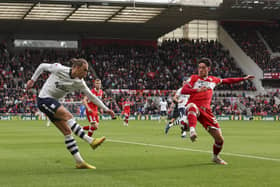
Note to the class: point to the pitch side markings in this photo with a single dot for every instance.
(193, 150)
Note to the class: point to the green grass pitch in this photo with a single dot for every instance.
(33, 155)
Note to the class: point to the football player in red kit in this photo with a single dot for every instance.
(201, 87)
(126, 111)
(92, 109)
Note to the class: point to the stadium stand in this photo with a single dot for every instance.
(253, 46)
(162, 68)
(117, 64)
(271, 32)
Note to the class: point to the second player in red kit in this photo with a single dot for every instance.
(92, 109)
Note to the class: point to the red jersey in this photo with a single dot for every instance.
(126, 106)
(99, 94)
(204, 98)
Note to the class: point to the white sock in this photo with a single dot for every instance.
(192, 129)
(215, 156)
(78, 158)
(78, 130)
(88, 139)
(72, 147)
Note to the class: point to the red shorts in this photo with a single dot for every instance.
(207, 119)
(93, 117)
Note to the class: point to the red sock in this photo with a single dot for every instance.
(192, 120)
(86, 128)
(90, 131)
(217, 147)
(192, 117)
(126, 120)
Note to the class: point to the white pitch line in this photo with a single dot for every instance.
(193, 150)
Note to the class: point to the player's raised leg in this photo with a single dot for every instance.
(67, 124)
(192, 112)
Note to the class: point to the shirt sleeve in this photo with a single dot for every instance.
(218, 80)
(92, 97)
(187, 90)
(232, 80)
(191, 81)
(53, 68)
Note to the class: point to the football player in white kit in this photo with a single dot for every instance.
(163, 109)
(180, 100)
(62, 81)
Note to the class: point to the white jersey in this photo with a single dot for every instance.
(60, 83)
(163, 106)
(183, 98)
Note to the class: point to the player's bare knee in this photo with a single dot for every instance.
(68, 116)
(68, 131)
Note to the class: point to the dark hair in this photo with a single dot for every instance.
(97, 80)
(206, 61)
(77, 62)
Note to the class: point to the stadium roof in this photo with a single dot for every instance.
(95, 11)
(139, 19)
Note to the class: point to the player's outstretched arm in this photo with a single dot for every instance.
(96, 100)
(238, 79)
(249, 77)
(41, 68)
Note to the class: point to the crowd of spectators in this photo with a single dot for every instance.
(247, 38)
(274, 65)
(162, 68)
(124, 67)
(233, 104)
(146, 104)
